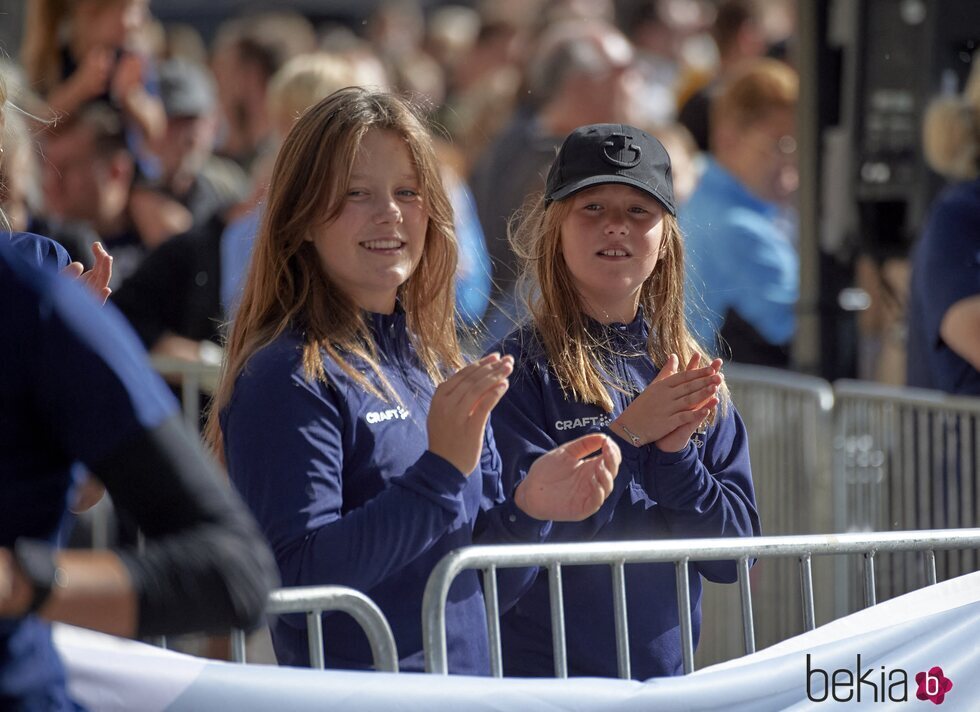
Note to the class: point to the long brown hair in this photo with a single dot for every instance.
(286, 287)
(575, 354)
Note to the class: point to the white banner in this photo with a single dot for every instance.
(917, 651)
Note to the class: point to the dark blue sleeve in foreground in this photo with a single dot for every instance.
(95, 384)
(39, 251)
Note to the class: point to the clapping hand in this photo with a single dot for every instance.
(677, 439)
(564, 487)
(673, 400)
(460, 408)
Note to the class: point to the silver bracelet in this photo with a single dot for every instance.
(634, 438)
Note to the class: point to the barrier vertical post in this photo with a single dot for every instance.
(622, 627)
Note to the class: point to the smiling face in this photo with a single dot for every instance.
(375, 242)
(611, 241)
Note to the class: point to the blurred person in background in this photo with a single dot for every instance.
(21, 198)
(683, 152)
(657, 44)
(396, 31)
(580, 73)
(473, 269)
(483, 84)
(450, 33)
(738, 34)
(743, 266)
(944, 297)
(76, 387)
(77, 52)
(192, 184)
(246, 53)
(177, 40)
(88, 174)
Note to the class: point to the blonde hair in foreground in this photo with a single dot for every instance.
(576, 355)
(286, 287)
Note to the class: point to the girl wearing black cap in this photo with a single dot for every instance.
(601, 353)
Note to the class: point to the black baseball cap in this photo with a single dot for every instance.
(611, 153)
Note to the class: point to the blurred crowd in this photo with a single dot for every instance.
(159, 143)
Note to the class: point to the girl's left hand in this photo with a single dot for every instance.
(563, 487)
(677, 440)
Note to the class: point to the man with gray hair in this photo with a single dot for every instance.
(581, 73)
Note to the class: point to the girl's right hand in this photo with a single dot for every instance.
(460, 409)
(671, 400)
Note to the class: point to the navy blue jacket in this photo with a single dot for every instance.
(945, 270)
(39, 250)
(346, 493)
(697, 492)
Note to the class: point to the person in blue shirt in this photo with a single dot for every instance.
(606, 350)
(363, 456)
(743, 271)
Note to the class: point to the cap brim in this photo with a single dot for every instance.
(584, 183)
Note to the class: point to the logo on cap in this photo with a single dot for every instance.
(617, 142)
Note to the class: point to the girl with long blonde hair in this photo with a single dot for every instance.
(344, 415)
(606, 350)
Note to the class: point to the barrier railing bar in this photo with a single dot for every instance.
(314, 600)
(189, 386)
(870, 598)
(930, 563)
(557, 620)
(745, 589)
(238, 646)
(684, 614)
(622, 629)
(314, 632)
(492, 601)
(806, 582)
(522, 555)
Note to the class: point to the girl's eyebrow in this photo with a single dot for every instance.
(403, 176)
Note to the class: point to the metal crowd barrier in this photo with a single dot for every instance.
(853, 457)
(680, 552)
(789, 418)
(905, 458)
(313, 601)
(194, 378)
